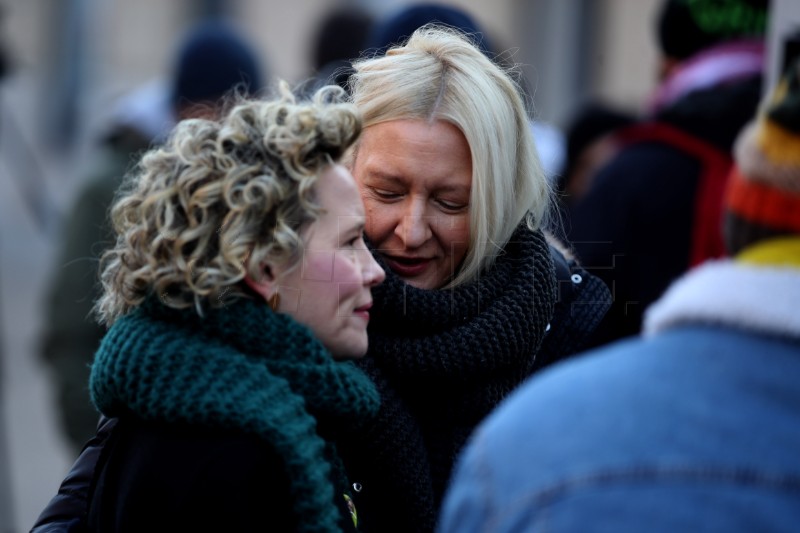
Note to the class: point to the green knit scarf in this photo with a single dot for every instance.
(241, 366)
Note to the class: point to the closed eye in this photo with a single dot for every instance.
(452, 206)
(386, 194)
(355, 240)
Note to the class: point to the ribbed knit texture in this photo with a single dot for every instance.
(243, 367)
(442, 360)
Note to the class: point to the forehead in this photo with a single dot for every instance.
(416, 150)
(416, 135)
(337, 194)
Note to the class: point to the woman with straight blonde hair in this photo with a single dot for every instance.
(456, 203)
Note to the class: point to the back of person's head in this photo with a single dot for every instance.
(140, 117)
(687, 27)
(340, 37)
(763, 196)
(439, 74)
(212, 61)
(396, 28)
(591, 123)
(219, 198)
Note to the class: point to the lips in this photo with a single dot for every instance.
(408, 267)
(363, 311)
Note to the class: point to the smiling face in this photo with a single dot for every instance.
(330, 289)
(415, 179)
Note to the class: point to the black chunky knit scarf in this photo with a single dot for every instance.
(242, 367)
(442, 360)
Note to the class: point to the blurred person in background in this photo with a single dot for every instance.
(212, 60)
(653, 211)
(339, 38)
(591, 142)
(695, 427)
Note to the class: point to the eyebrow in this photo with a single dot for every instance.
(402, 181)
(381, 175)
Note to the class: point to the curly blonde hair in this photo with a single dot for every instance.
(220, 198)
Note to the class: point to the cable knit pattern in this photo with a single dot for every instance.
(243, 367)
(442, 360)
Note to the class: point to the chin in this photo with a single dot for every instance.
(425, 283)
(343, 353)
(347, 356)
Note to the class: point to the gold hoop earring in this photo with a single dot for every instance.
(274, 301)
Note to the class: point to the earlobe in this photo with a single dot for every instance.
(260, 287)
(265, 286)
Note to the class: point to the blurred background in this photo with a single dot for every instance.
(73, 71)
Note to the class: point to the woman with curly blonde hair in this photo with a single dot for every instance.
(239, 275)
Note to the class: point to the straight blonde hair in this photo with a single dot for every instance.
(440, 74)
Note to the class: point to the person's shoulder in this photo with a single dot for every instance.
(572, 384)
(583, 300)
(624, 399)
(595, 407)
(648, 423)
(574, 421)
(171, 470)
(222, 453)
(545, 435)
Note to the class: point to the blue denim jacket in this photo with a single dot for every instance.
(693, 428)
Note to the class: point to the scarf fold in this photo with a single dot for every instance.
(239, 367)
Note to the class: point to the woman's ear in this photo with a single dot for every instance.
(265, 286)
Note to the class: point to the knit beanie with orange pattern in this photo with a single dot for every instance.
(763, 196)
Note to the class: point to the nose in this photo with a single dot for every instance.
(373, 273)
(414, 228)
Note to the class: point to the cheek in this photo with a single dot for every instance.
(381, 220)
(455, 232)
(318, 284)
(346, 273)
